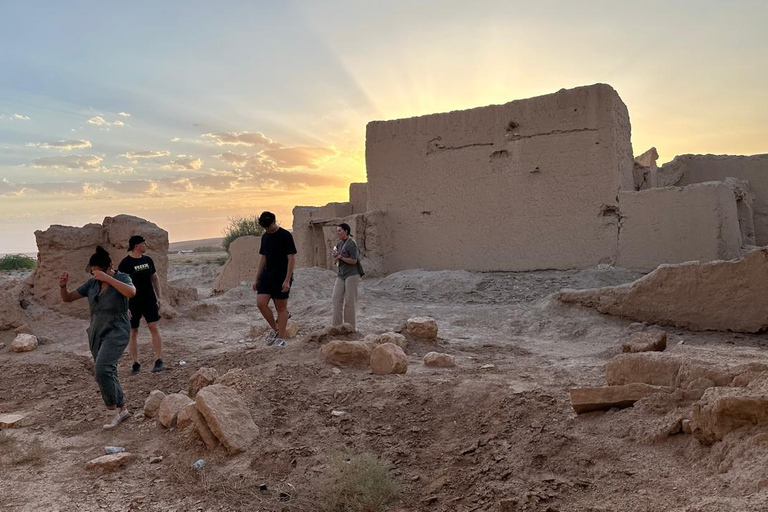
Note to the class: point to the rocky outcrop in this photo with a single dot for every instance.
(717, 296)
(11, 313)
(724, 409)
(201, 378)
(66, 248)
(227, 417)
(242, 264)
(603, 398)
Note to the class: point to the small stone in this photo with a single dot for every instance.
(488, 367)
(24, 343)
(646, 342)
(2, 346)
(338, 413)
(112, 461)
(388, 359)
(152, 403)
(336, 371)
(422, 328)
(686, 426)
(11, 420)
(23, 329)
(156, 460)
(291, 329)
(439, 360)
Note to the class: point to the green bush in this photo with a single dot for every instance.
(241, 226)
(17, 262)
(357, 483)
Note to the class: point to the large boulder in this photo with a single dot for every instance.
(170, 407)
(66, 248)
(387, 359)
(346, 353)
(227, 417)
(242, 264)
(24, 343)
(422, 328)
(11, 313)
(201, 378)
(716, 296)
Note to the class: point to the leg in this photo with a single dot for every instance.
(350, 298)
(282, 316)
(105, 371)
(338, 301)
(133, 345)
(262, 301)
(157, 340)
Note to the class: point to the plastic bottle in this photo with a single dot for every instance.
(199, 463)
(114, 449)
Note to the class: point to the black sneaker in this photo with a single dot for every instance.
(158, 366)
(136, 369)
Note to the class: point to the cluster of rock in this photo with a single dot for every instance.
(384, 353)
(217, 414)
(723, 398)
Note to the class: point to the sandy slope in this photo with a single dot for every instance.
(457, 440)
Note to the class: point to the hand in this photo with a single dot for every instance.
(286, 286)
(100, 276)
(64, 279)
(336, 257)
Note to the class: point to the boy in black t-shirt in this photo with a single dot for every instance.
(141, 268)
(275, 276)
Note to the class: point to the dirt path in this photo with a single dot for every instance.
(463, 439)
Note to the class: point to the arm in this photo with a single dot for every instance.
(289, 274)
(262, 264)
(66, 295)
(126, 290)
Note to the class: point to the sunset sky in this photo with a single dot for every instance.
(188, 113)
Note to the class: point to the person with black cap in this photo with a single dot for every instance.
(146, 303)
(274, 276)
(108, 293)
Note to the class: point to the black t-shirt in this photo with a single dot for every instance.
(140, 270)
(276, 247)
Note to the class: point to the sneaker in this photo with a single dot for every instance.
(280, 342)
(159, 367)
(136, 369)
(271, 337)
(117, 418)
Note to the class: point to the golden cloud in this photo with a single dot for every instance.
(132, 155)
(64, 145)
(186, 163)
(84, 162)
(254, 139)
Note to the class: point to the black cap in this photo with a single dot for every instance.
(134, 241)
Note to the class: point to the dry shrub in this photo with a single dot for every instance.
(357, 483)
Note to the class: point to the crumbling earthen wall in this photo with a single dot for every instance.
(358, 196)
(677, 224)
(526, 185)
(67, 248)
(308, 235)
(242, 264)
(687, 169)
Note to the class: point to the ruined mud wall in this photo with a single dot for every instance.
(687, 169)
(308, 237)
(677, 224)
(242, 264)
(358, 196)
(67, 248)
(527, 185)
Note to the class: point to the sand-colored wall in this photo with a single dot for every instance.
(526, 185)
(309, 239)
(678, 224)
(242, 264)
(358, 197)
(687, 169)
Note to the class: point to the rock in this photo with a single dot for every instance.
(213, 345)
(24, 343)
(23, 329)
(439, 360)
(2, 346)
(182, 419)
(11, 420)
(227, 417)
(241, 264)
(661, 369)
(291, 329)
(12, 315)
(203, 310)
(152, 403)
(336, 330)
(488, 367)
(156, 460)
(346, 353)
(180, 295)
(65, 248)
(646, 342)
(235, 378)
(44, 340)
(387, 337)
(201, 378)
(722, 410)
(388, 358)
(422, 328)
(603, 398)
(321, 335)
(717, 296)
(170, 408)
(190, 411)
(109, 462)
(685, 425)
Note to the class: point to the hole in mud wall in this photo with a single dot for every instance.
(319, 257)
(608, 210)
(500, 154)
(512, 126)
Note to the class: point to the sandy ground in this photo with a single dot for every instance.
(464, 439)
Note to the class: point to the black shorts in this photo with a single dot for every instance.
(268, 285)
(143, 307)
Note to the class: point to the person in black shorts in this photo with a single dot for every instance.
(141, 268)
(274, 276)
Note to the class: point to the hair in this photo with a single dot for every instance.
(100, 258)
(346, 228)
(266, 219)
(134, 241)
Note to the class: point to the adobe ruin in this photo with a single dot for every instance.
(543, 183)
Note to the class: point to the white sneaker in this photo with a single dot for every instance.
(280, 342)
(118, 418)
(271, 337)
